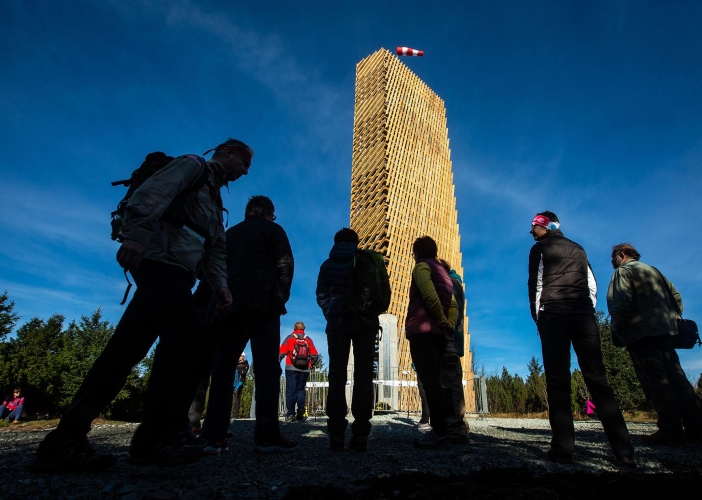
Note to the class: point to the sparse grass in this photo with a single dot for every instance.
(632, 416)
(42, 425)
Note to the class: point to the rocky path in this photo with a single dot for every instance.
(504, 460)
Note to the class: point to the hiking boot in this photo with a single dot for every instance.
(280, 444)
(424, 426)
(459, 440)
(166, 453)
(358, 443)
(431, 441)
(627, 462)
(336, 441)
(70, 455)
(215, 447)
(693, 437)
(663, 438)
(290, 419)
(552, 456)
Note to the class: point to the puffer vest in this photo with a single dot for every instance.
(419, 319)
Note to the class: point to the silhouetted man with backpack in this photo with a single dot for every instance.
(170, 232)
(348, 296)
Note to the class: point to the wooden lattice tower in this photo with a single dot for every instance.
(402, 185)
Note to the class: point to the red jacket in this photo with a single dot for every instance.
(288, 345)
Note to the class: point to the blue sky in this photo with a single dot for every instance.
(592, 110)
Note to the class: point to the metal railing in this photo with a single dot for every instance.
(395, 394)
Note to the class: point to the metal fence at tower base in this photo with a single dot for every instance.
(386, 394)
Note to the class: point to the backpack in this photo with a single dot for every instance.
(301, 354)
(369, 293)
(152, 164)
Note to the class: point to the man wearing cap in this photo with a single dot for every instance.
(170, 236)
(563, 294)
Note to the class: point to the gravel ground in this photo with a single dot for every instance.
(504, 460)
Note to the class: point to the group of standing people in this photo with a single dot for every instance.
(173, 236)
(563, 296)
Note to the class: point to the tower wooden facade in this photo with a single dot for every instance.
(402, 186)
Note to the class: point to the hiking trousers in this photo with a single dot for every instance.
(162, 308)
(231, 335)
(427, 350)
(665, 385)
(295, 384)
(451, 378)
(558, 331)
(339, 346)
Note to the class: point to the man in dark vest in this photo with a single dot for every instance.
(563, 294)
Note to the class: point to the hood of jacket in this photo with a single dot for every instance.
(342, 251)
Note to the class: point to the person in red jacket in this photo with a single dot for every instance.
(299, 353)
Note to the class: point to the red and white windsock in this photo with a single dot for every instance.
(406, 51)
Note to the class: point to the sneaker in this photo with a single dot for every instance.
(280, 444)
(459, 440)
(190, 440)
(167, 453)
(290, 418)
(358, 443)
(663, 438)
(431, 441)
(336, 441)
(71, 455)
(301, 417)
(424, 426)
(552, 456)
(215, 447)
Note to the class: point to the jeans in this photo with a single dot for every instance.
(163, 308)
(13, 415)
(339, 345)
(666, 387)
(231, 334)
(557, 332)
(427, 350)
(451, 378)
(295, 383)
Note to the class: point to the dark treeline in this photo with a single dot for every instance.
(48, 360)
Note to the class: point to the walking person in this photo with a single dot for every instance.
(430, 323)
(562, 295)
(171, 233)
(338, 288)
(260, 271)
(644, 320)
(299, 353)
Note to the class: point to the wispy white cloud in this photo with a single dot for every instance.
(53, 216)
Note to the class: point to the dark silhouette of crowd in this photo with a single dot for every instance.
(173, 236)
